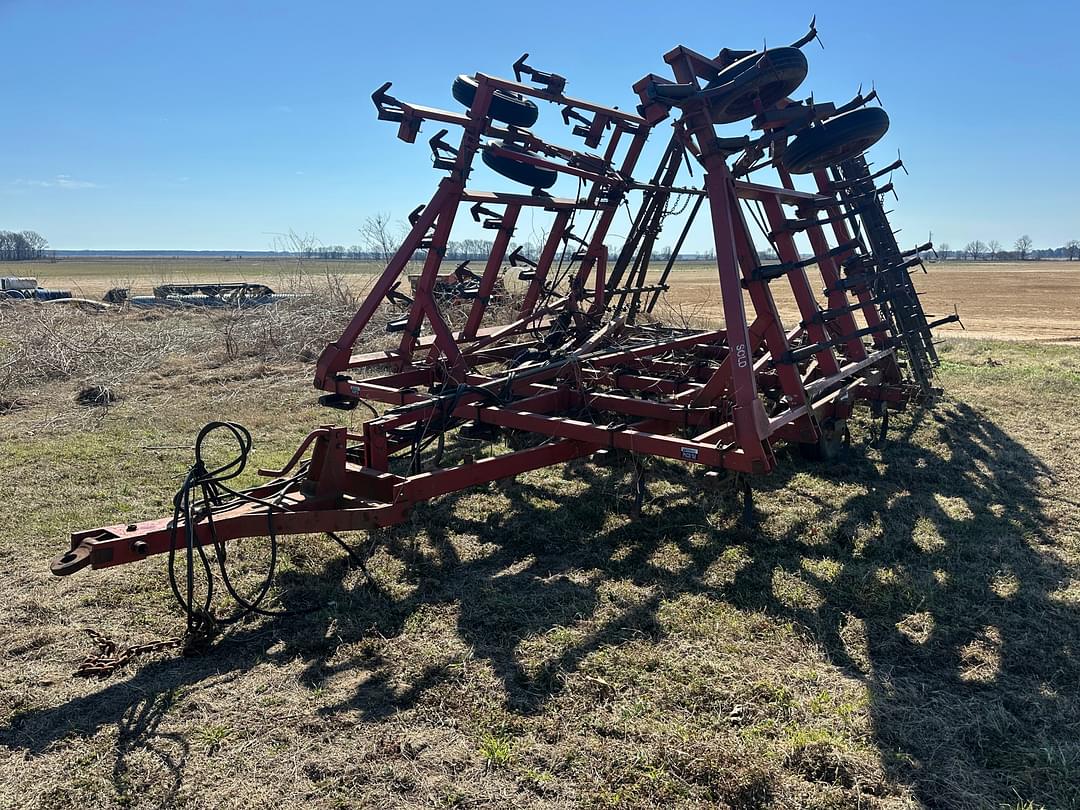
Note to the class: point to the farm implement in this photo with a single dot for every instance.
(580, 364)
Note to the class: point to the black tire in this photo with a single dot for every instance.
(768, 76)
(532, 176)
(838, 139)
(509, 108)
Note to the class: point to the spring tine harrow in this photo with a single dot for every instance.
(567, 357)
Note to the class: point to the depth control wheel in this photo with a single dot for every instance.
(510, 108)
(838, 139)
(535, 177)
(767, 77)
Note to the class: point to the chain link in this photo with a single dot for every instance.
(111, 656)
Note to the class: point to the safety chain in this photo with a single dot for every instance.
(111, 656)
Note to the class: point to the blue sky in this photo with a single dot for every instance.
(216, 125)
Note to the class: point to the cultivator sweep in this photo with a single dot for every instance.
(579, 364)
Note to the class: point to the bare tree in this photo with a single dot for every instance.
(1072, 247)
(993, 247)
(1023, 246)
(943, 251)
(975, 249)
(380, 237)
(36, 243)
(24, 246)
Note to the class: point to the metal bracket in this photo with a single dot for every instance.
(516, 259)
(493, 219)
(809, 36)
(438, 147)
(389, 108)
(553, 82)
(591, 129)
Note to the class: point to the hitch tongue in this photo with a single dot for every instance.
(71, 561)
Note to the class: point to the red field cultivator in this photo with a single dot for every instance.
(580, 365)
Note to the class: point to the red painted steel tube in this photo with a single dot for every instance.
(577, 103)
(843, 235)
(432, 484)
(335, 357)
(787, 252)
(423, 304)
(543, 264)
(742, 376)
(125, 543)
(491, 270)
(829, 268)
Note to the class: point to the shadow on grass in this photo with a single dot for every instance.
(940, 600)
(948, 613)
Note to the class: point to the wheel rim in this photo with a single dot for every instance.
(842, 151)
(743, 106)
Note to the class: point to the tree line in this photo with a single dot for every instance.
(18, 246)
(468, 249)
(381, 238)
(1023, 249)
(464, 249)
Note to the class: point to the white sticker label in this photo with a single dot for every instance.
(740, 355)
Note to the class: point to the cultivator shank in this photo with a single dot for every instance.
(482, 385)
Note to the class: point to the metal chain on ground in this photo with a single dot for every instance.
(111, 656)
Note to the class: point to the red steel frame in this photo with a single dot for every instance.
(718, 397)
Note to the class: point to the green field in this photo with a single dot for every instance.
(900, 630)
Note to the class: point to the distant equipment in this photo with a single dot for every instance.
(230, 295)
(27, 289)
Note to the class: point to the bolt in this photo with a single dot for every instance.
(140, 547)
(132, 527)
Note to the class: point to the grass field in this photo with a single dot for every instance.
(901, 630)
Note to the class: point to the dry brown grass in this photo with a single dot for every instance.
(92, 277)
(59, 343)
(901, 629)
(998, 300)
